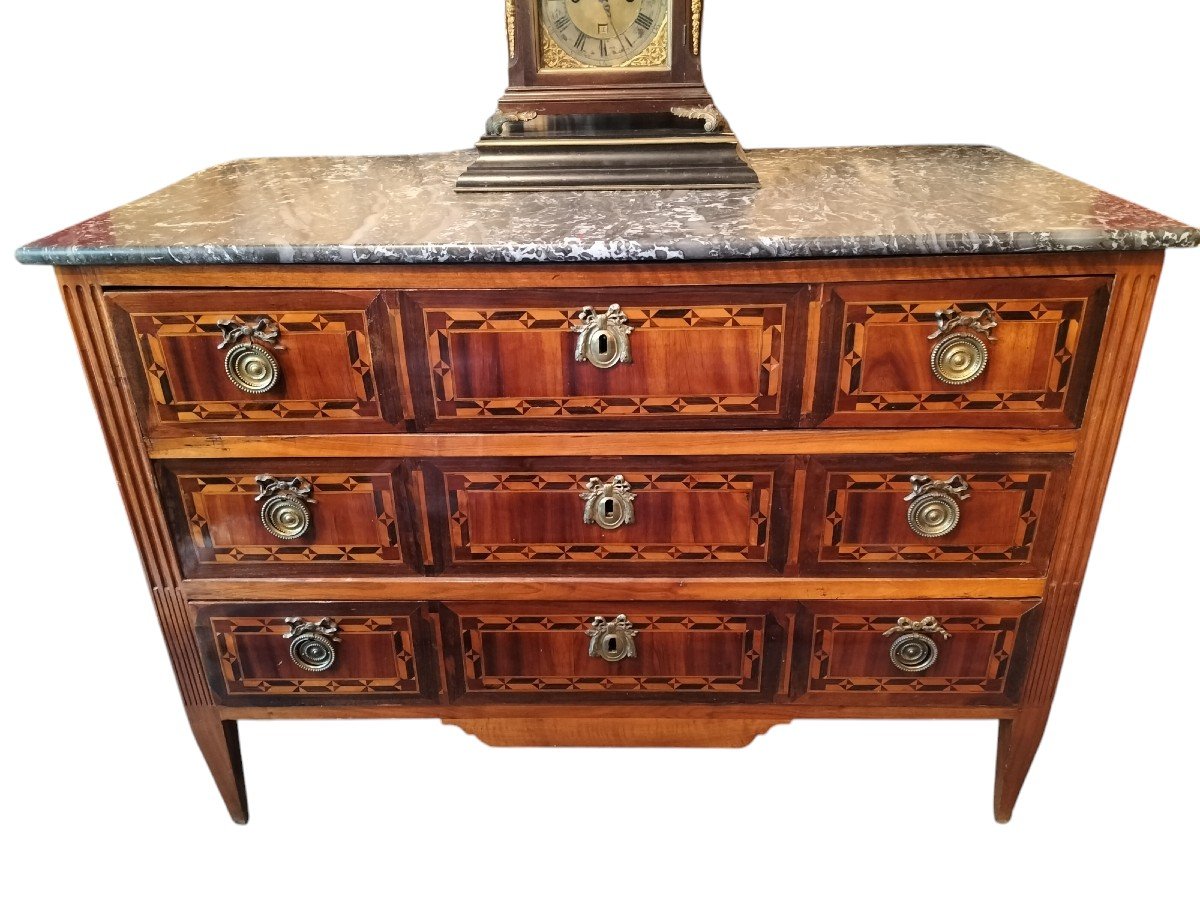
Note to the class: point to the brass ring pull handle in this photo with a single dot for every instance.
(603, 337)
(612, 641)
(285, 511)
(914, 650)
(609, 505)
(934, 505)
(250, 366)
(311, 644)
(960, 356)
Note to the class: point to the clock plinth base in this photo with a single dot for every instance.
(620, 162)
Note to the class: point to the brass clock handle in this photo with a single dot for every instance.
(603, 337)
(914, 650)
(612, 641)
(285, 512)
(960, 355)
(251, 367)
(311, 644)
(608, 504)
(934, 509)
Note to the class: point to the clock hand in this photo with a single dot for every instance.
(607, 4)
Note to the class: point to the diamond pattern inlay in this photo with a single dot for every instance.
(768, 321)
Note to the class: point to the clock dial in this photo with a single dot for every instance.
(603, 33)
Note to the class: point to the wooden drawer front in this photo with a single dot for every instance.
(856, 516)
(327, 375)
(358, 518)
(851, 647)
(719, 357)
(707, 652)
(383, 653)
(702, 514)
(877, 353)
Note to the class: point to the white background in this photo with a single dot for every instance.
(103, 788)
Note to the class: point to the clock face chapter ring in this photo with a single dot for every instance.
(604, 33)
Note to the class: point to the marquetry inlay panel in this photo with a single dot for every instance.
(1028, 488)
(850, 655)
(534, 518)
(354, 518)
(321, 342)
(348, 327)
(856, 518)
(503, 364)
(677, 654)
(1040, 354)
(375, 655)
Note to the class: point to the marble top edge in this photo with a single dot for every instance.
(813, 203)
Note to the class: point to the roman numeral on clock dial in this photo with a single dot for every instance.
(602, 33)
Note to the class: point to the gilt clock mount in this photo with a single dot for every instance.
(606, 94)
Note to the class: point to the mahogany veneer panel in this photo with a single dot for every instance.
(533, 653)
(504, 360)
(333, 353)
(875, 353)
(360, 518)
(856, 517)
(849, 654)
(691, 513)
(384, 654)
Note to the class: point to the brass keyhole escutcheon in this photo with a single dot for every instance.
(602, 351)
(603, 337)
(612, 641)
(959, 359)
(609, 505)
(913, 653)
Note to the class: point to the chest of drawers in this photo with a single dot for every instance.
(493, 461)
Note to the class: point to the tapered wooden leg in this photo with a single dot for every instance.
(1017, 746)
(218, 740)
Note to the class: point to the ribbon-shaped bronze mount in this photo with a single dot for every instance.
(927, 625)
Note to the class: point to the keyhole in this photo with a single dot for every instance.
(609, 508)
(602, 343)
(610, 645)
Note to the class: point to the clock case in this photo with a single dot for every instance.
(614, 128)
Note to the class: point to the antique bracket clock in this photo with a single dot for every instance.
(606, 94)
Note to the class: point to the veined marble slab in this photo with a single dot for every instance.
(814, 203)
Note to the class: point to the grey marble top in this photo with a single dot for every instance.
(862, 201)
